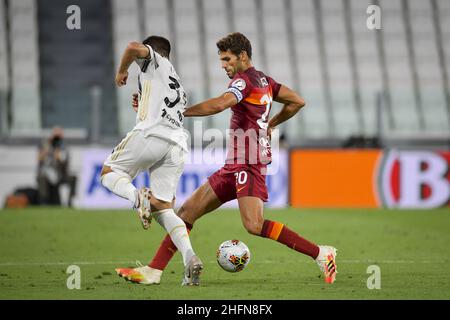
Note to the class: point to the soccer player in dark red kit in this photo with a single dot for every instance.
(250, 95)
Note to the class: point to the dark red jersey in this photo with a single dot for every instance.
(249, 144)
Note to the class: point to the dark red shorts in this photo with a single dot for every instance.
(230, 183)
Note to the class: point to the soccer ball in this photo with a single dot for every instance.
(233, 255)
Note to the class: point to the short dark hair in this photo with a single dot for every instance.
(159, 44)
(236, 42)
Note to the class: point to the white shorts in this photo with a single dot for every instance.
(163, 158)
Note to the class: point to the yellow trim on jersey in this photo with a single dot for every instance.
(145, 99)
(176, 227)
(122, 145)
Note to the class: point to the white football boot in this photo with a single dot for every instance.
(326, 260)
(141, 274)
(192, 272)
(143, 208)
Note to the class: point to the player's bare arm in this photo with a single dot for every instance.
(212, 106)
(292, 103)
(134, 50)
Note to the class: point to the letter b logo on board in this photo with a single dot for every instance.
(414, 179)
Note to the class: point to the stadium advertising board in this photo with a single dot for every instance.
(198, 167)
(369, 178)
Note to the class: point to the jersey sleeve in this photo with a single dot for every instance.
(240, 87)
(143, 63)
(275, 86)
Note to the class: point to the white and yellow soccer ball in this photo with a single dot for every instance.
(233, 255)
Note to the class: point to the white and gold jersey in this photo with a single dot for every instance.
(162, 100)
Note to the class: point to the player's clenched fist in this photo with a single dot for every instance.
(134, 102)
(121, 78)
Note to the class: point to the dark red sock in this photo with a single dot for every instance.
(279, 232)
(166, 251)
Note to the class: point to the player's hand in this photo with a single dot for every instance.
(134, 102)
(121, 78)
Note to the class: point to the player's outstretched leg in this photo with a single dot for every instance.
(251, 209)
(165, 252)
(177, 231)
(326, 260)
(202, 201)
(120, 184)
(179, 239)
(154, 270)
(192, 272)
(325, 256)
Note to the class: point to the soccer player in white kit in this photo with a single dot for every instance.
(157, 143)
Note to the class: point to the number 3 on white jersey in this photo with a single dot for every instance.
(267, 101)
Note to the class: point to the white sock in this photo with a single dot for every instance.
(121, 185)
(177, 231)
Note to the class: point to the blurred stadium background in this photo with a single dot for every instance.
(386, 89)
(375, 133)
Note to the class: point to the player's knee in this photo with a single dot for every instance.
(186, 213)
(253, 227)
(105, 170)
(157, 204)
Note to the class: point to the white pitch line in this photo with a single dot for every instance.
(123, 262)
(3, 264)
(372, 261)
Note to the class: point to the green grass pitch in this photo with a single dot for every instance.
(410, 247)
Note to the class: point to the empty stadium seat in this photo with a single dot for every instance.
(347, 106)
(73, 62)
(337, 50)
(443, 14)
(190, 67)
(314, 116)
(428, 69)
(245, 17)
(406, 117)
(276, 41)
(26, 107)
(4, 76)
(367, 63)
(126, 29)
(157, 18)
(216, 27)
(4, 73)
(443, 8)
